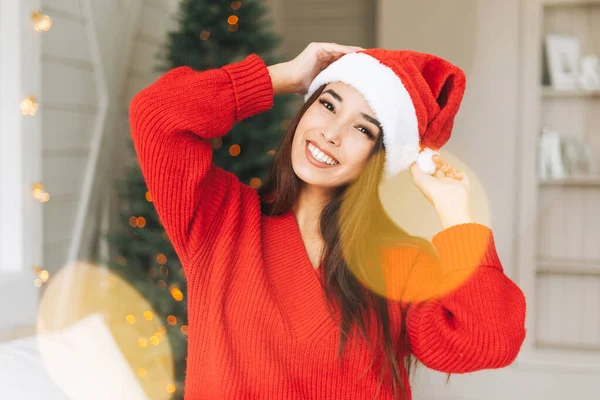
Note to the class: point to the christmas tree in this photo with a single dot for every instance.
(210, 34)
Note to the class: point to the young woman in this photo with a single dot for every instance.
(306, 289)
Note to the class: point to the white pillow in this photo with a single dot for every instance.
(81, 361)
(22, 375)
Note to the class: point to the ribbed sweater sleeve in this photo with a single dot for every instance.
(465, 314)
(172, 122)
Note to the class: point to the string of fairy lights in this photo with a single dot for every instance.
(29, 107)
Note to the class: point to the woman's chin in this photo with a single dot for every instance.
(317, 178)
(309, 176)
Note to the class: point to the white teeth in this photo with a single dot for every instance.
(322, 157)
(319, 155)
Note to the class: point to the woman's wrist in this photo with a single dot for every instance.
(454, 216)
(280, 77)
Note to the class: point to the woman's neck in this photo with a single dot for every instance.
(308, 208)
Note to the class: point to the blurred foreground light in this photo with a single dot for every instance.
(411, 211)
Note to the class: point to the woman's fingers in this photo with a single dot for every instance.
(333, 51)
(439, 173)
(310, 62)
(440, 164)
(343, 48)
(445, 170)
(456, 175)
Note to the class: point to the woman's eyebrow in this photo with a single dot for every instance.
(371, 120)
(334, 94)
(366, 116)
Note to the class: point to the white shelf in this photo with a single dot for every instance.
(568, 267)
(563, 209)
(576, 3)
(567, 346)
(593, 181)
(550, 93)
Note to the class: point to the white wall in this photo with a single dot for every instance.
(70, 113)
(481, 37)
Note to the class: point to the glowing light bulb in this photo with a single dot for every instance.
(39, 193)
(41, 21)
(29, 106)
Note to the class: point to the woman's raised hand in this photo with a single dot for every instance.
(296, 75)
(448, 190)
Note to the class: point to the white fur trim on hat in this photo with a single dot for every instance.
(383, 89)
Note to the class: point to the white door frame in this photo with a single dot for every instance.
(20, 163)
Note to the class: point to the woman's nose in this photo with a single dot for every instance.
(331, 135)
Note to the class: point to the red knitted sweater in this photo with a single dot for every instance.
(259, 327)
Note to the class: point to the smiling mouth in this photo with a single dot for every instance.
(320, 157)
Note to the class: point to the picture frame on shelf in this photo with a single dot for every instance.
(577, 157)
(563, 157)
(589, 77)
(550, 160)
(563, 53)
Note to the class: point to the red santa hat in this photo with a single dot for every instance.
(415, 97)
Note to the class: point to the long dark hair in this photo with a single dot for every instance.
(354, 226)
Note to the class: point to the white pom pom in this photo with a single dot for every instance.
(425, 161)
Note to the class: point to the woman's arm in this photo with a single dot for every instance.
(465, 314)
(172, 122)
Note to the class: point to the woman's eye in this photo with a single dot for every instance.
(326, 103)
(366, 131)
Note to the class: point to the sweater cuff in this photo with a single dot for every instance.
(252, 86)
(465, 247)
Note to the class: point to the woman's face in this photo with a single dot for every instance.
(341, 125)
